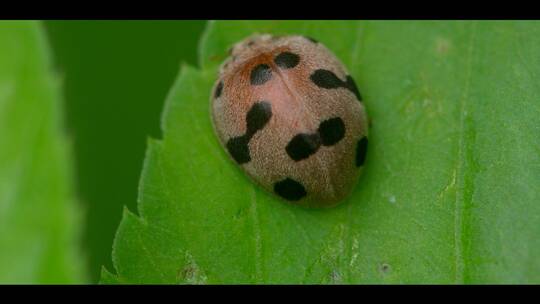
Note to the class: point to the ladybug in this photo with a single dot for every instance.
(290, 115)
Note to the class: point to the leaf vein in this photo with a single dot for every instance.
(460, 201)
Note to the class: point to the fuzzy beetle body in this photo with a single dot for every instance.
(287, 111)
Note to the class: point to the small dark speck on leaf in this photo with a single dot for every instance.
(239, 213)
(385, 268)
(188, 273)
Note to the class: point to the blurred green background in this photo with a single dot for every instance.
(112, 69)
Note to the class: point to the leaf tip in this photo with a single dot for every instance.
(106, 277)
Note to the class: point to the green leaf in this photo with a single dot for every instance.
(39, 219)
(450, 189)
(108, 278)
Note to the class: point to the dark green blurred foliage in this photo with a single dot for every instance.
(115, 75)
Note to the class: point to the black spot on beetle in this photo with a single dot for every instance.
(351, 85)
(219, 88)
(260, 74)
(290, 189)
(303, 145)
(257, 117)
(328, 80)
(287, 60)
(332, 131)
(361, 151)
(239, 149)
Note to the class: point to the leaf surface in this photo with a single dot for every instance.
(450, 189)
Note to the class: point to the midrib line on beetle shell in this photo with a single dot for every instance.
(304, 110)
(463, 197)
